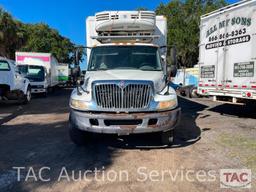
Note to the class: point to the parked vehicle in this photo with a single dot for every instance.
(63, 73)
(228, 53)
(13, 86)
(126, 87)
(40, 69)
(186, 81)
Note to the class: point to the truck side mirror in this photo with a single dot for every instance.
(76, 72)
(173, 54)
(163, 58)
(172, 70)
(77, 57)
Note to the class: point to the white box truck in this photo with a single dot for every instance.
(126, 87)
(228, 53)
(40, 69)
(63, 73)
(13, 86)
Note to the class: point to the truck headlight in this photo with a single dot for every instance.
(77, 104)
(165, 105)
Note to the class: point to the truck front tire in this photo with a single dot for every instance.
(167, 138)
(193, 92)
(77, 136)
(27, 97)
(45, 94)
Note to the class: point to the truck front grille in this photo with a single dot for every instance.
(131, 96)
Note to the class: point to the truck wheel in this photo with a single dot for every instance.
(45, 94)
(77, 136)
(193, 92)
(51, 89)
(27, 97)
(167, 138)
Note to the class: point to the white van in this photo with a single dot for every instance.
(13, 86)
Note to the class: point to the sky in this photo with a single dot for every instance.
(68, 16)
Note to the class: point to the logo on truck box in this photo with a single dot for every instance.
(243, 21)
(238, 33)
(229, 42)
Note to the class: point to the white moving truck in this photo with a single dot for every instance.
(13, 86)
(228, 53)
(126, 87)
(40, 69)
(63, 73)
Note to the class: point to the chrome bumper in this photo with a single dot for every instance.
(139, 122)
(38, 90)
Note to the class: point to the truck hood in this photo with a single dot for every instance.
(156, 77)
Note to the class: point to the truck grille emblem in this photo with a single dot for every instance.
(122, 84)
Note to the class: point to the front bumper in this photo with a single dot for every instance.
(235, 93)
(125, 123)
(38, 90)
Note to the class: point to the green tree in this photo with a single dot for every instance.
(183, 26)
(10, 35)
(41, 38)
(17, 36)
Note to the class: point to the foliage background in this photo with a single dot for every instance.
(183, 19)
(17, 36)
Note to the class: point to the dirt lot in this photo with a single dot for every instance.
(211, 136)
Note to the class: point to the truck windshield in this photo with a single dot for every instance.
(144, 58)
(32, 72)
(4, 66)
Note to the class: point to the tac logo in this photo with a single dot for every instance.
(235, 178)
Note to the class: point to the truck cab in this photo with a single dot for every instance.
(13, 86)
(126, 88)
(35, 73)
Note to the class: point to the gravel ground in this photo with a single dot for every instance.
(211, 136)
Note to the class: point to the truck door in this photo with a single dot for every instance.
(240, 57)
(18, 79)
(6, 74)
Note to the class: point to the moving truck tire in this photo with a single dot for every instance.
(193, 92)
(45, 94)
(27, 97)
(78, 137)
(167, 138)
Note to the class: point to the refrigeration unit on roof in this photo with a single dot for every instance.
(138, 26)
(125, 21)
